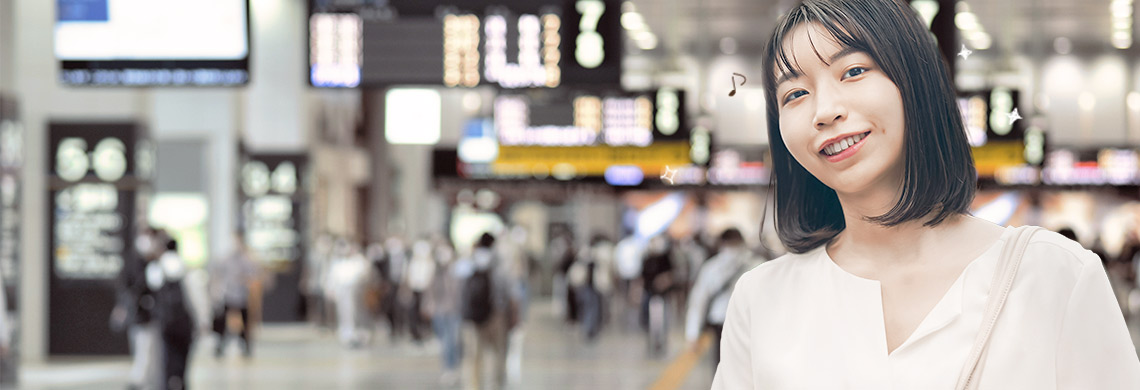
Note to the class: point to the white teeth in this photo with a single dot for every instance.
(842, 144)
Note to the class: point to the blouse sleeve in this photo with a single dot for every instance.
(1095, 350)
(735, 369)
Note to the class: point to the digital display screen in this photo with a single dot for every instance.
(465, 43)
(152, 42)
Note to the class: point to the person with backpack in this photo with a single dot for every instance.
(708, 300)
(489, 312)
(176, 321)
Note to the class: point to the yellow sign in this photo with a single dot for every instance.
(589, 160)
(996, 154)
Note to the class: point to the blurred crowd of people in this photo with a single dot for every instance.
(159, 309)
(475, 300)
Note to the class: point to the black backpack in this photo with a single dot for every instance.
(477, 300)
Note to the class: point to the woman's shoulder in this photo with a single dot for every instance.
(1055, 256)
(786, 269)
(1055, 247)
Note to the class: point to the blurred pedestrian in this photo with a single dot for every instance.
(347, 276)
(421, 271)
(135, 311)
(516, 266)
(629, 253)
(442, 302)
(165, 278)
(316, 266)
(489, 311)
(230, 278)
(589, 278)
(708, 299)
(657, 274)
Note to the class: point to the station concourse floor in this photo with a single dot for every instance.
(305, 357)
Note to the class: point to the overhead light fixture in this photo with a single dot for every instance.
(971, 28)
(647, 41)
(632, 21)
(966, 21)
(981, 40)
(1121, 23)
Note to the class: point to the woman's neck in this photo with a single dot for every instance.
(867, 241)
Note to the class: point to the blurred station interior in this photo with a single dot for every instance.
(355, 152)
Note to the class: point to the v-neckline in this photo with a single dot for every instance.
(948, 307)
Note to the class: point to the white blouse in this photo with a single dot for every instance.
(802, 322)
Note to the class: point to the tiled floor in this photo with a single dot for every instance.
(302, 357)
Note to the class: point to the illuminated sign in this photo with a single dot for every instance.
(616, 120)
(92, 204)
(521, 161)
(92, 201)
(593, 42)
(624, 175)
(508, 43)
(461, 50)
(974, 112)
(538, 54)
(335, 46)
(272, 203)
(90, 233)
(1110, 167)
(11, 162)
(135, 43)
(996, 154)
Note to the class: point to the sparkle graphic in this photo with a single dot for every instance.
(1013, 116)
(965, 53)
(668, 175)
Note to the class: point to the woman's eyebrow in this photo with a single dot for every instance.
(846, 51)
(842, 53)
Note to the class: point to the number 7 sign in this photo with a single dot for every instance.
(592, 35)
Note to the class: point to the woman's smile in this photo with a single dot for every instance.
(840, 148)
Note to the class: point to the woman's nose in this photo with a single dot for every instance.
(829, 108)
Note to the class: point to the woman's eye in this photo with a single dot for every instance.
(854, 72)
(794, 95)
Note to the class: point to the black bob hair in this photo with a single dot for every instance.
(939, 178)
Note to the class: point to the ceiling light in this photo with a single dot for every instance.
(632, 21)
(1120, 8)
(647, 41)
(1122, 43)
(981, 40)
(1134, 101)
(966, 21)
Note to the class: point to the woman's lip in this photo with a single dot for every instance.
(840, 137)
(847, 152)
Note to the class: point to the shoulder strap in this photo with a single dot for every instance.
(1008, 264)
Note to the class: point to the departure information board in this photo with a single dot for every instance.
(465, 43)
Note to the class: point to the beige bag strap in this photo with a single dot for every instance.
(1008, 264)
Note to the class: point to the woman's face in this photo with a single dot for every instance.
(841, 119)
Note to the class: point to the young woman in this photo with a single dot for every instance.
(888, 275)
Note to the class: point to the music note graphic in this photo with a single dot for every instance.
(742, 81)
